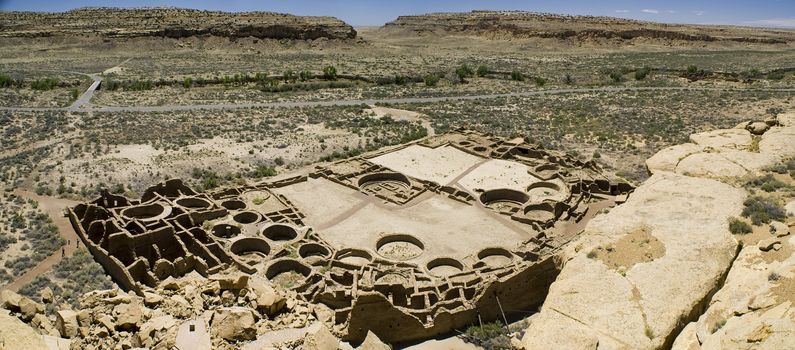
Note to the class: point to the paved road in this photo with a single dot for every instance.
(224, 106)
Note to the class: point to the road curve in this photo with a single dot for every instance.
(224, 106)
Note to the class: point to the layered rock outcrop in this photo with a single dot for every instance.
(171, 23)
(660, 301)
(517, 24)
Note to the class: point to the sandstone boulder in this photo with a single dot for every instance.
(128, 316)
(320, 339)
(754, 308)
(668, 158)
(47, 295)
(371, 342)
(758, 128)
(642, 305)
(268, 300)
(234, 323)
(723, 138)
(16, 335)
(10, 300)
(66, 323)
(29, 308)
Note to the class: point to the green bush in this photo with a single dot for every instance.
(568, 79)
(330, 73)
(739, 227)
(767, 183)
(483, 70)
(617, 77)
(305, 75)
(642, 73)
(431, 80)
(517, 76)
(44, 84)
(5, 81)
(762, 210)
(187, 83)
(692, 69)
(540, 81)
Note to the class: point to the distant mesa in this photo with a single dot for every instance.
(171, 23)
(520, 24)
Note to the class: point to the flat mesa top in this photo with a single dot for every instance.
(408, 236)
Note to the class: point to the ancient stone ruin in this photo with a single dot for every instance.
(409, 242)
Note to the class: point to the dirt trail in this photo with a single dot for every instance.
(54, 208)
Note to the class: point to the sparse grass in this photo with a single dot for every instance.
(493, 335)
(763, 210)
(739, 227)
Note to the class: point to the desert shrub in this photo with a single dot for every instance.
(616, 76)
(692, 69)
(739, 227)
(492, 335)
(187, 82)
(305, 75)
(482, 70)
(75, 94)
(263, 171)
(568, 79)
(431, 80)
(767, 183)
(762, 210)
(642, 73)
(464, 71)
(517, 75)
(330, 73)
(540, 81)
(80, 274)
(44, 84)
(289, 75)
(5, 81)
(775, 75)
(401, 80)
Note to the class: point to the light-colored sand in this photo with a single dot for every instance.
(498, 173)
(320, 199)
(396, 114)
(441, 164)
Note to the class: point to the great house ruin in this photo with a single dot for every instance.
(409, 242)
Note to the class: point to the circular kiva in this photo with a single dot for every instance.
(543, 189)
(225, 230)
(495, 257)
(193, 203)
(147, 212)
(234, 204)
(280, 232)
(399, 247)
(503, 197)
(540, 212)
(479, 149)
(356, 257)
(250, 246)
(464, 143)
(443, 267)
(288, 273)
(246, 217)
(372, 181)
(313, 249)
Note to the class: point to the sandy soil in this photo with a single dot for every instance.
(441, 165)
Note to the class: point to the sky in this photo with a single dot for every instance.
(765, 13)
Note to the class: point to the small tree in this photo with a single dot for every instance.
(187, 82)
(483, 70)
(305, 75)
(330, 73)
(691, 69)
(431, 80)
